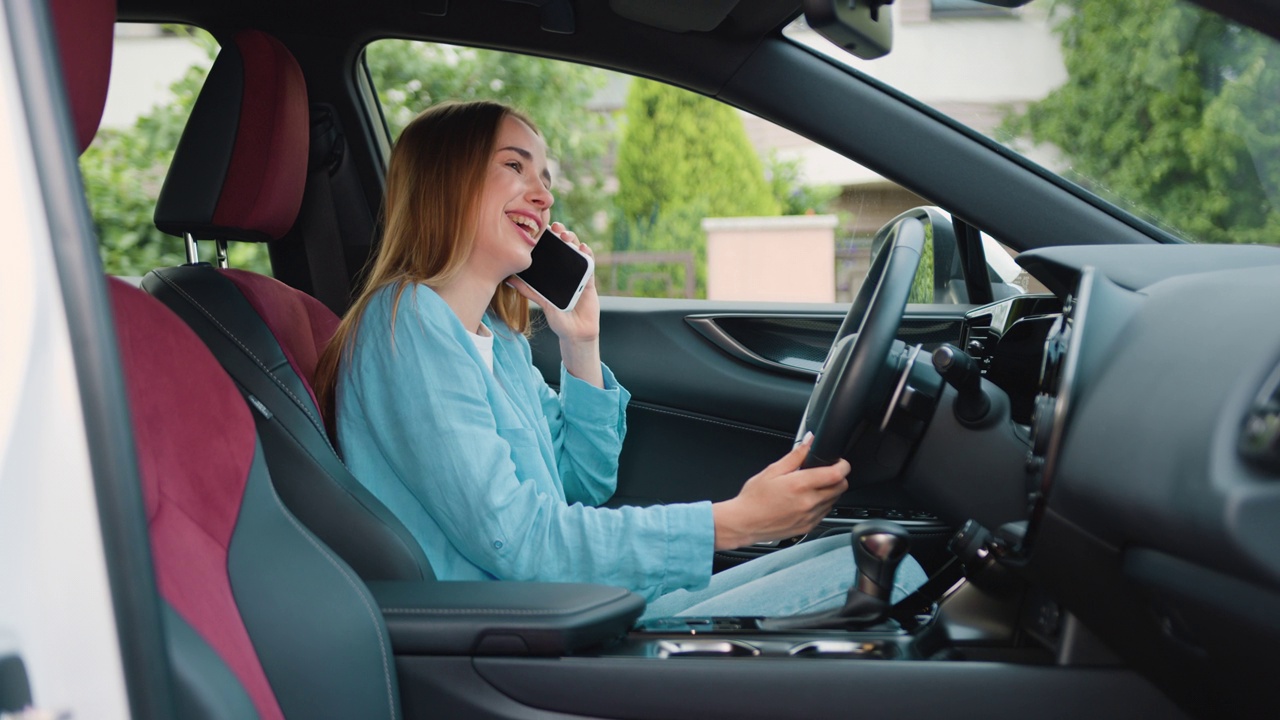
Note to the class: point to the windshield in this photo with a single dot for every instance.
(1160, 107)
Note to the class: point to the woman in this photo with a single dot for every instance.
(441, 413)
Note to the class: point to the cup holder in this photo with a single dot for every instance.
(844, 649)
(705, 648)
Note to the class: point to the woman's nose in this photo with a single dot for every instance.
(541, 196)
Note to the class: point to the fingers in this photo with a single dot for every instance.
(570, 237)
(833, 474)
(791, 461)
(827, 482)
(565, 234)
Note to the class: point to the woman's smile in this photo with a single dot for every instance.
(515, 203)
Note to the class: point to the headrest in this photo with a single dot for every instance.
(85, 31)
(241, 165)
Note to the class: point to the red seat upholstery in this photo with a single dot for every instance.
(192, 483)
(241, 166)
(230, 560)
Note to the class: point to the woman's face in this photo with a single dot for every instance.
(515, 203)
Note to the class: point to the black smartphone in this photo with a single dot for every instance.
(559, 271)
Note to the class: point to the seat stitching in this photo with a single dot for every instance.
(328, 555)
(232, 336)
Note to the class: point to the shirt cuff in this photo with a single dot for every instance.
(691, 544)
(601, 407)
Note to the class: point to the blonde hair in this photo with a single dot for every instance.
(434, 181)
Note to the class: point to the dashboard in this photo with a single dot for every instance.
(1149, 387)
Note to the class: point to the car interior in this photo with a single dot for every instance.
(1088, 474)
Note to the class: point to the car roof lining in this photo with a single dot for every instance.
(701, 61)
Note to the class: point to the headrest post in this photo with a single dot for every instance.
(193, 252)
(221, 245)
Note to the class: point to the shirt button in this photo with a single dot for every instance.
(497, 544)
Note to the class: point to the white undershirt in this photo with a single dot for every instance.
(484, 344)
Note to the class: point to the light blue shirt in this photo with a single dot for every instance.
(495, 474)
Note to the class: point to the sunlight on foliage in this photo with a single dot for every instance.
(1175, 119)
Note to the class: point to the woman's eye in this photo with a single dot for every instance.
(515, 165)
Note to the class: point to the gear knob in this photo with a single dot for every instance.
(878, 549)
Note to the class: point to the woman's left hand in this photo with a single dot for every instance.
(579, 328)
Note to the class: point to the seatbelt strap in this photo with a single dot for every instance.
(321, 236)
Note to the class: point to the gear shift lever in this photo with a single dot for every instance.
(878, 549)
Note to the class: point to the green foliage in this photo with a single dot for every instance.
(410, 76)
(1171, 108)
(676, 233)
(680, 149)
(123, 171)
(922, 289)
(683, 157)
(794, 197)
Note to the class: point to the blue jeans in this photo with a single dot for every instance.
(808, 577)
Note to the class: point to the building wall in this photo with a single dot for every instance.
(144, 63)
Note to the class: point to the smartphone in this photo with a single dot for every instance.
(559, 271)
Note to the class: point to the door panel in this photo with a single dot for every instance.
(709, 412)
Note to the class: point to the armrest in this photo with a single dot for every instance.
(502, 618)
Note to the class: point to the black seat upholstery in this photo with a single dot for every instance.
(238, 174)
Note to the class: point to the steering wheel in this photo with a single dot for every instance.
(857, 376)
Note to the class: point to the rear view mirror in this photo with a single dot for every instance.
(862, 27)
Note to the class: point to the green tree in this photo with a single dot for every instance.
(124, 168)
(794, 196)
(682, 157)
(411, 76)
(683, 149)
(1171, 108)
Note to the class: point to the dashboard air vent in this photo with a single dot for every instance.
(1260, 436)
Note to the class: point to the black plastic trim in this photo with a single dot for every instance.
(709, 326)
(765, 688)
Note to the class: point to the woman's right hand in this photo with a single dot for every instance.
(781, 501)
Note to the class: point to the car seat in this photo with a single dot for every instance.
(260, 619)
(238, 174)
(296, 632)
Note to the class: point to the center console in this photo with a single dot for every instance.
(544, 651)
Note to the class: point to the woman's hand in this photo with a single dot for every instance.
(782, 501)
(579, 328)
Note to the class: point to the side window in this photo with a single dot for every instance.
(157, 72)
(678, 194)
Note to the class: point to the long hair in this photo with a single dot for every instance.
(434, 180)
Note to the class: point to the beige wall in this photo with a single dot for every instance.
(789, 258)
